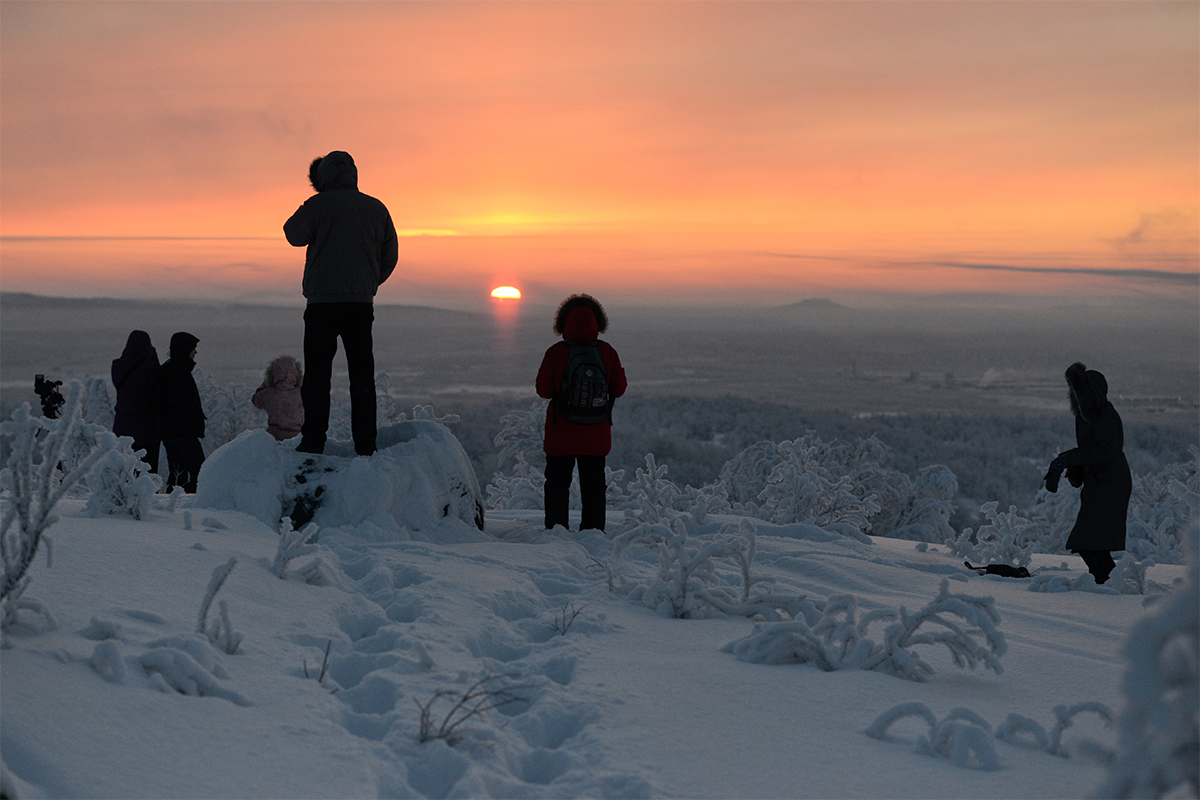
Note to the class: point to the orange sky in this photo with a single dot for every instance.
(649, 151)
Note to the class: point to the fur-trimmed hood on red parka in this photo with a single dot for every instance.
(568, 324)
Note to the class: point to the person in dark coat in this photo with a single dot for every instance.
(352, 249)
(580, 318)
(182, 420)
(137, 407)
(1097, 464)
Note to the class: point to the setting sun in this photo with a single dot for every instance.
(506, 293)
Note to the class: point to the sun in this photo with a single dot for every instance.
(506, 293)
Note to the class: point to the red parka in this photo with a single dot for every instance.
(563, 437)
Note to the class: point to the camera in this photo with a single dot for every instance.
(52, 399)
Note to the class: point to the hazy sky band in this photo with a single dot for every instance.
(656, 141)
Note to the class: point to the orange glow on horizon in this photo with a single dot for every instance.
(776, 150)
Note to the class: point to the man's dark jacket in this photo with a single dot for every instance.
(350, 236)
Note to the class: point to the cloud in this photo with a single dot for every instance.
(1160, 275)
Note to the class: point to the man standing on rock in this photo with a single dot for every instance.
(352, 249)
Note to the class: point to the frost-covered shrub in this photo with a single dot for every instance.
(813, 481)
(925, 514)
(807, 486)
(521, 435)
(227, 409)
(1158, 750)
(688, 585)
(1008, 538)
(98, 406)
(31, 484)
(523, 488)
(1159, 514)
(120, 482)
(834, 637)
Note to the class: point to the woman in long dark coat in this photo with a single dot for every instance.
(137, 410)
(1098, 465)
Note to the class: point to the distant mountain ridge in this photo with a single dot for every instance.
(816, 304)
(14, 300)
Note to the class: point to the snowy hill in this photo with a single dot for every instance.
(124, 674)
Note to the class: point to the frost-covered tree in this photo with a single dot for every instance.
(925, 513)
(98, 406)
(32, 484)
(120, 482)
(1158, 750)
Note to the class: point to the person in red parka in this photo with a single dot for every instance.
(579, 319)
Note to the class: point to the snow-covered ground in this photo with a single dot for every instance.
(114, 692)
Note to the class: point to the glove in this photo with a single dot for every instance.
(1054, 473)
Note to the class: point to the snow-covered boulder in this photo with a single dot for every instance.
(419, 477)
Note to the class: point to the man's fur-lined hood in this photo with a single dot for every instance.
(1089, 390)
(585, 301)
(334, 171)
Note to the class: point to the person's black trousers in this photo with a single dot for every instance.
(1099, 562)
(323, 324)
(592, 490)
(184, 459)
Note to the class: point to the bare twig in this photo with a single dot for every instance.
(562, 622)
(478, 698)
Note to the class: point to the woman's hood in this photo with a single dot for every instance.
(1088, 388)
(593, 312)
(138, 347)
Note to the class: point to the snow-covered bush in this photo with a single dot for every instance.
(523, 488)
(98, 406)
(1008, 538)
(813, 481)
(227, 409)
(31, 484)
(925, 513)
(121, 482)
(834, 637)
(521, 435)
(293, 544)
(958, 737)
(1159, 514)
(687, 584)
(810, 484)
(1158, 750)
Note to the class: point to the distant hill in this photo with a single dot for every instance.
(816, 304)
(25, 300)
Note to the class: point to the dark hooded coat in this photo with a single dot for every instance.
(580, 318)
(1098, 464)
(132, 375)
(182, 415)
(351, 240)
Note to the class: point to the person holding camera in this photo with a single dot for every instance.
(134, 375)
(182, 420)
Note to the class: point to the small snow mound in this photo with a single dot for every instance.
(419, 477)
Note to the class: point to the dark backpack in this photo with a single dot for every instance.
(583, 396)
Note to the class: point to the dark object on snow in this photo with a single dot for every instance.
(1003, 570)
(52, 399)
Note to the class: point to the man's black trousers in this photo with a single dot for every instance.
(323, 324)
